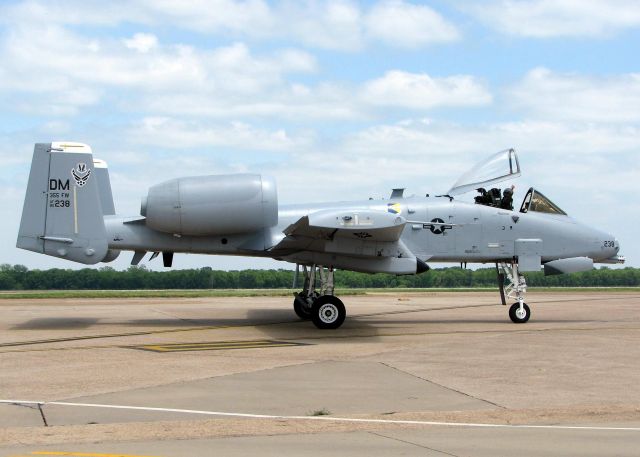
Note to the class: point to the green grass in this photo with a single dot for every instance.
(200, 293)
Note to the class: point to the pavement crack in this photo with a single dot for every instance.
(412, 443)
(443, 386)
(33, 406)
(44, 418)
(24, 405)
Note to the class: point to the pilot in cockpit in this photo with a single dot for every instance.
(507, 198)
(494, 197)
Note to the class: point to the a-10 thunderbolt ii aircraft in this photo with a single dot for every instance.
(69, 213)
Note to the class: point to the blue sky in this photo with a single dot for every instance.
(335, 99)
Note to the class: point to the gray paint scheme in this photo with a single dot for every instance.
(61, 218)
(104, 191)
(360, 235)
(212, 205)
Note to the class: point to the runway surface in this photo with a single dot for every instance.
(407, 374)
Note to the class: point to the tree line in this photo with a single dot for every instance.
(19, 277)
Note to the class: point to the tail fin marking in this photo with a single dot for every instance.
(62, 214)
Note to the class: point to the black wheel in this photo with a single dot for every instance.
(328, 312)
(303, 312)
(519, 316)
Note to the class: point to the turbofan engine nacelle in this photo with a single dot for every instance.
(212, 205)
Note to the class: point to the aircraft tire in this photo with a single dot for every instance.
(328, 312)
(515, 316)
(301, 311)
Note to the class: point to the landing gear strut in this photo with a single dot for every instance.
(519, 312)
(325, 310)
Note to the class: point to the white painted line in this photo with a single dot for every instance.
(325, 418)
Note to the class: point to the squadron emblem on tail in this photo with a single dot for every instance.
(80, 174)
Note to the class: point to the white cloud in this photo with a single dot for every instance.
(407, 25)
(330, 24)
(558, 18)
(288, 101)
(421, 91)
(177, 134)
(247, 17)
(60, 71)
(549, 95)
(327, 24)
(141, 42)
(55, 58)
(73, 12)
(428, 139)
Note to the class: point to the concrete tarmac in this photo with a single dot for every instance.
(449, 358)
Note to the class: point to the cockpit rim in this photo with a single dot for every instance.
(545, 205)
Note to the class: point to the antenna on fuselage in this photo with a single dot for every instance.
(397, 193)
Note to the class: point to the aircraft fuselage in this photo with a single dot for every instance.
(476, 233)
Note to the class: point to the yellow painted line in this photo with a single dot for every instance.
(113, 335)
(141, 333)
(212, 348)
(221, 348)
(220, 343)
(198, 343)
(187, 346)
(86, 454)
(216, 345)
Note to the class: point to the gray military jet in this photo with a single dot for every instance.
(69, 213)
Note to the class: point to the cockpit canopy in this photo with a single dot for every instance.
(498, 167)
(501, 166)
(536, 201)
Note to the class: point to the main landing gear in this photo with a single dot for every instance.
(318, 304)
(519, 312)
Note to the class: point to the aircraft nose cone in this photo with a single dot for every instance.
(611, 246)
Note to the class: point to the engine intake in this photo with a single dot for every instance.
(212, 205)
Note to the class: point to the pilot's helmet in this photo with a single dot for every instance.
(507, 191)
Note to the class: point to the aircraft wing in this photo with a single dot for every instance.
(359, 240)
(362, 225)
(316, 230)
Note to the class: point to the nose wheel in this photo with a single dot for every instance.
(519, 313)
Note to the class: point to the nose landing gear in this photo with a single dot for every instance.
(519, 312)
(324, 309)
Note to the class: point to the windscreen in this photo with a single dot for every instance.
(496, 168)
(537, 202)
